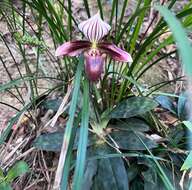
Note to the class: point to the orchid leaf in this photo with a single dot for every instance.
(181, 106)
(107, 171)
(137, 184)
(166, 103)
(131, 124)
(53, 141)
(157, 165)
(176, 134)
(133, 171)
(129, 141)
(90, 172)
(49, 142)
(67, 143)
(67, 164)
(111, 175)
(52, 104)
(133, 106)
(83, 140)
(151, 180)
(150, 176)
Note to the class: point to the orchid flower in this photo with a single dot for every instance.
(94, 49)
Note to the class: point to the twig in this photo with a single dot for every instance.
(58, 175)
(34, 183)
(25, 153)
(61, 109)
(182, 179)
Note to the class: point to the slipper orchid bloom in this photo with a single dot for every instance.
(94, 29)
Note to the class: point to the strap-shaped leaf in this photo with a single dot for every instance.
(130, 124)
(166, 103)
(111, 174)
(133, 106)
(128, 140)
(83, 140)
(53, 141)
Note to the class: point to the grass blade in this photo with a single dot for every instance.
(69, 125)
(87, 8)
(13, 120)
(161, 173)
(122, 14)
(67, 164)
(136, 31)
(70, 19)
(82, 147)
(180, 37)
(112, 11)
(100, 8)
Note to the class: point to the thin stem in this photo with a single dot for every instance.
(10, 77)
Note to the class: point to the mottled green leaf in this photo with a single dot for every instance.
(52, 104)
(176, 134)
(53, 141)
(132, 107)
(111, 175)
(181, 106)
(177, 159)
(166, 103)
(111, 172)
(137, 184)
(130, 124)
(49, 141)
(133, 171)
(151, 180)
(90, 172)
(154, 179)
(129, 140)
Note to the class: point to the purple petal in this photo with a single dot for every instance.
(116, 53)
(93, 66)
(94, 28)
(72, 48)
